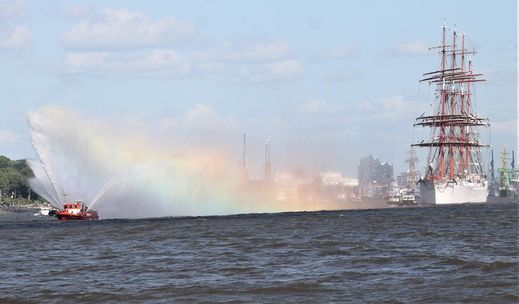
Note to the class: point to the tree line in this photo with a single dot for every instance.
(14, 178)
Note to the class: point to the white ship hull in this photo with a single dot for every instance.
(448, 192)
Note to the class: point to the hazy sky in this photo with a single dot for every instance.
(329, 81)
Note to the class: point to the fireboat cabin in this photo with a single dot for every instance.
(76, 211)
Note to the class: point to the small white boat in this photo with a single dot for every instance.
(408, 200)
(393, 199)
(44, 210)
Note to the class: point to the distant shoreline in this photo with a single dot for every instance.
(19, 205)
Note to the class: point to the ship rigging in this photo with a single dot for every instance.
(454, 167)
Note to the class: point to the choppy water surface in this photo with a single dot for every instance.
(466, 253)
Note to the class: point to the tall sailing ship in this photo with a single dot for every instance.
(507, 175)
(455, 172)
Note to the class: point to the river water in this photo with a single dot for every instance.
(465, 253)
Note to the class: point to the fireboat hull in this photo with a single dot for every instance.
(448, 192)
(83, 216)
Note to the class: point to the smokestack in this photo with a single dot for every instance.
(244, 163)
(268, 174)
(492, 166)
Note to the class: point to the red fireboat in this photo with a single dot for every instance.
(76, 211)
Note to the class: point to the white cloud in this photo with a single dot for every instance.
(263, 51)
(123, 29)
(203, 116)
(113, 44)
(274, 71)
(167, 123)
(322, 116)
(199, 111)
(148, 63)
(78, 11)
(343, 74)
(129, 42)
(7, 136)
(287, 69)
(313, 106)
(340, 53)
(390, 109)
(85, 61)
(12, 9)
(212, 67)
(19, 37)
(262, 61)
(412, 48)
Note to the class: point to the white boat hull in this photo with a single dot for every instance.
(44, 211)
(448, 192)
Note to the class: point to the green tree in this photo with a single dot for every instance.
(14, 175)
(4, 162)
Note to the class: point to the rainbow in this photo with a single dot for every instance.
(122, 174)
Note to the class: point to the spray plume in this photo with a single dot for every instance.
(124, 175)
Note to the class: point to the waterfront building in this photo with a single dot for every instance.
(374, 177)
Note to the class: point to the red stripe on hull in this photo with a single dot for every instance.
(88, 216)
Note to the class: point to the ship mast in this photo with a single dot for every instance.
(454, 147)
(505, 172)
(412, 173)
